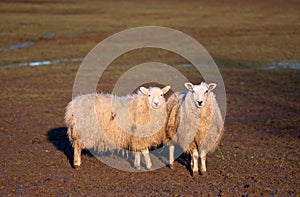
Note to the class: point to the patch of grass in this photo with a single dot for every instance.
(239, 31)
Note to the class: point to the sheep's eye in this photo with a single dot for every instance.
(149, 95)
(161, 94)
(206, 91)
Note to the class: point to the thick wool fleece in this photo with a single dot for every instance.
(106, 122)
(192, 127)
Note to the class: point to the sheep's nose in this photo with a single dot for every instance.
(156, 103)
(199, 103)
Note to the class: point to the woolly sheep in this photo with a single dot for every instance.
(105, 122)
(195, 123)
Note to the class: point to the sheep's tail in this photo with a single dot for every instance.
(69, 119)
(69, 122)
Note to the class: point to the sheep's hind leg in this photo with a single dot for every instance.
(194, 162)
(203, 163)
(77, 155)
(147, 158)
(137, 160)
(171, 156)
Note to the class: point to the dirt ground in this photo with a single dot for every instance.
(259, 152)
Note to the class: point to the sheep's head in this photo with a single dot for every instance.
(155, 95)
(200, 92)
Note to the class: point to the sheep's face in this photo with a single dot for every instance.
(200, 92)
(155, 95)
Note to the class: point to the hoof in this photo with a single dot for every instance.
(203, 173)
(137, 168)
(149, 167)
(171, 166)
(195, 174)
(76, 167)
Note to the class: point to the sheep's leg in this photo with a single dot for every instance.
(147, 158)
(203, 161)
(77, 154)
(194, 162)
(137, 160)
(171, 156)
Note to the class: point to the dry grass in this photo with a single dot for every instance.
(239, 31)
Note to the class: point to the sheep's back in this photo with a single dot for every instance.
(86, 123)
(109, 109)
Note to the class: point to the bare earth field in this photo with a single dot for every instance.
(259, 152)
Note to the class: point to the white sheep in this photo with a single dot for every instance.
(105, 122)
(194, 122)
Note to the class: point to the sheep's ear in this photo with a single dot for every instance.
(212, 86)
(189, 86)
(144, 90)
(166, 89)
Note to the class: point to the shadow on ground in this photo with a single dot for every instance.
(58, 137)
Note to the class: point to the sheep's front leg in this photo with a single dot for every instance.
(77, 154)
(171, 156)
(203, 163)
(137, 160)
(194, 162)
(147, 158)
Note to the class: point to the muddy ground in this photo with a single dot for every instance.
(258, 154)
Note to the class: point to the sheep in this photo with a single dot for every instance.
(195, 123)
(105, 122)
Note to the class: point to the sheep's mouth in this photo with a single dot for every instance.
(155, 106)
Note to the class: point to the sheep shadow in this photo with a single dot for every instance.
(185, 160)
(181, 157)
(58, 137)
